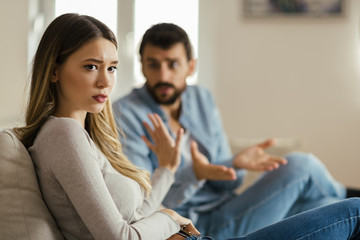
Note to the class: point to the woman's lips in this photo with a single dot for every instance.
(100, 98)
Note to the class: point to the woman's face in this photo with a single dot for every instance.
(85, 79)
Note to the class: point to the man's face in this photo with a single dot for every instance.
(166, 72)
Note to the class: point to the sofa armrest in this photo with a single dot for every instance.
(24, 214)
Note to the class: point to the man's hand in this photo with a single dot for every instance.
(204, 170)
(254, 158)
(166, 149)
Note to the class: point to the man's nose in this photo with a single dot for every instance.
(164, 72)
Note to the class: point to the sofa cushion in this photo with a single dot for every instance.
(23, 213)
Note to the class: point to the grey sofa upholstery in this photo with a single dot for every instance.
(23, 213)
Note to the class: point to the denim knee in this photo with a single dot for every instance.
(303, 162)
(352, 204)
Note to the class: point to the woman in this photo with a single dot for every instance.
(92, 189)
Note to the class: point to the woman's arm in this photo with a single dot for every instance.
(71, 159)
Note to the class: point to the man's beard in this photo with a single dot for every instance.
(168, 101)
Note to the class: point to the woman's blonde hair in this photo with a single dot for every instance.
(66, 34)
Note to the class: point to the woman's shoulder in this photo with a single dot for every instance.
(61, 128)
(61, 122)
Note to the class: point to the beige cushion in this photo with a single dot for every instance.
(23, 213)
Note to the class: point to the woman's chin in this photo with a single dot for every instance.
(96, 109)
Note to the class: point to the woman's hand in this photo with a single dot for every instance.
(166, 149)
(182, 221)
(254, 158)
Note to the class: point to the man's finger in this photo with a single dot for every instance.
(266, 144)
(159, 121)
(273, 163)
(220, 172)
(153, 120)
(148, 143)
(178, 138)
(279, 160)
(149, 129)
(194, 149)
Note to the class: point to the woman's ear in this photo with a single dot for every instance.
(55, 75)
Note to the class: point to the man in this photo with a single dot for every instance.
(205, 183)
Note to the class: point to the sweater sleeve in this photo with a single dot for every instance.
(70, 158)
(161, 180)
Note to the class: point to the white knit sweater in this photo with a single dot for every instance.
(88, 198)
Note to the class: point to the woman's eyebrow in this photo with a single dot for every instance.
(99, 61)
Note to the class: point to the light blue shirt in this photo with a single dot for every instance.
(200, 117)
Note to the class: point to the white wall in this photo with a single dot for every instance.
(271, 77)
(287, 77)
(125, 78)
(14, 26)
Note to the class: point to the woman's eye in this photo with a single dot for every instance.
(90, 67)
(112, 69)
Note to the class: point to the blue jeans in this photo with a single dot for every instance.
(338, 221)
(303, 184)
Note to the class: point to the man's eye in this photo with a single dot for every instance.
(112, 69)
(90, 67)
(153, 65)
(174, 64)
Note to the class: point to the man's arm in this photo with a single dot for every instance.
(220, 153)
(130, 119)
(252, 158)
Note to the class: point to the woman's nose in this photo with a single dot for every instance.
(104, 80)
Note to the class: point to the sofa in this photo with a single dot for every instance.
(23, 213)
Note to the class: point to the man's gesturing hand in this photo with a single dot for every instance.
(205, 170)
(254, 158)
(166, 149)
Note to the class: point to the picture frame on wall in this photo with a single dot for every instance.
(306, 8)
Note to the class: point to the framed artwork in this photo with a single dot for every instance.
(310, 8)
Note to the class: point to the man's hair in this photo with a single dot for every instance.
(165, 35)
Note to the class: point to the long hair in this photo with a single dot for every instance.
(65, 35)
